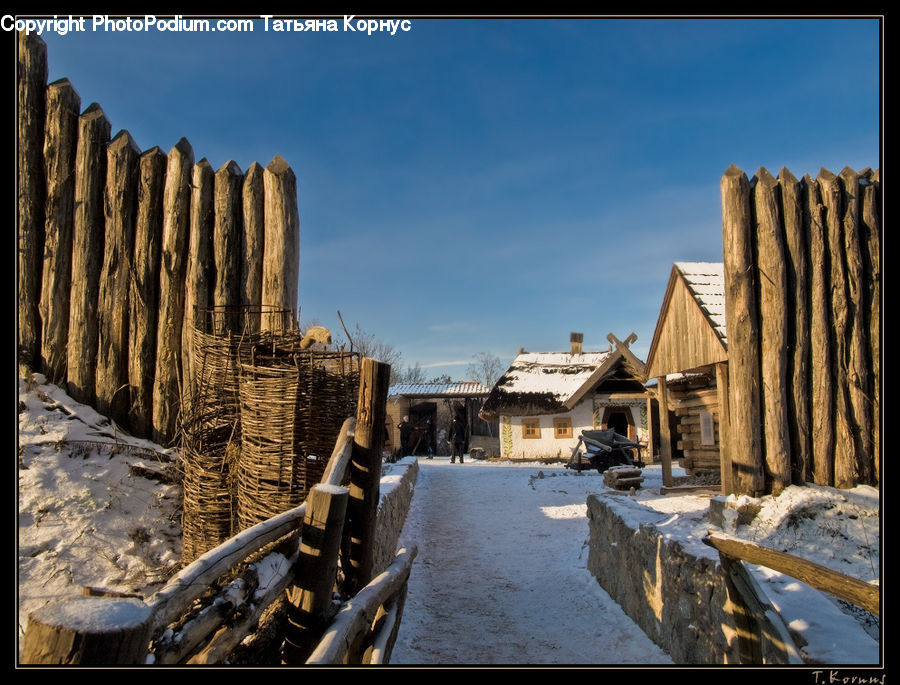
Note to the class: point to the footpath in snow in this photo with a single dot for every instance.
(501, 575)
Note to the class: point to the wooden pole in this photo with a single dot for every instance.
(31, 84)
(870, 228)
(858, 368)
(845, 457)
(772, 284)
(365, 473)
(281, 263)
(167, 384)
(145, 291)
(87, 252)
(199, 267)
(115, 279)
(821, 381)
(227, 242)
(797, 259)
(725, 468)
(310, 599)
(253, 203)
(60, 143)
(743, 335)
(665, 431)
(88, 631)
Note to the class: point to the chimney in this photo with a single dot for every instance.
(576, 339)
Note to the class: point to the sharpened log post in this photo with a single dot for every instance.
(743, 335)
(87, 252)
(365, 473)
(665, 431)
(281, 262)
(798, 280)
(31, 85)
(144, 300)
(60, 144)
(316, 571)
(167, 385)
(115, 278)
(199, 267)
(773, 331)
(870, 237)
(253, 245)
(227, 238)
(821, 383)
(95, 631)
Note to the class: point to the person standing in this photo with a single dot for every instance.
(457, 439)
(406, 429)
(427, 437)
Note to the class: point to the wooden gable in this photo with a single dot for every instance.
(685, 337)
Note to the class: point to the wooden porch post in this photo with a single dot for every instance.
(665, 436)
(724, 454)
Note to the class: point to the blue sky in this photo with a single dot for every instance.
(482, 185)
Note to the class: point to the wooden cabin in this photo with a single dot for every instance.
(438, 403)
(544, 400)
(688, 370)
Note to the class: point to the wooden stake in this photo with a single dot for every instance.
(365, 473)
(281, 263)
(773, 338)
(145, 291)
(115, 279)
(60, 143)
(743, 335)
(253, 204)
(821, 381)
(31, 99)
(870, 236)
(167, 385)
(87, 252)
(227, 242)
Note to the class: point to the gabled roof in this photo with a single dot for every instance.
(461, 389)
(690, 331)
(554, 382)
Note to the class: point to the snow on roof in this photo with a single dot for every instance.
(706, 282)
(460, 389)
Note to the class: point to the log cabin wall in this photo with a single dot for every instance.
(696, 408)
(117, 247)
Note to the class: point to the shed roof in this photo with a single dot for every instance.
(460, 389)
(690, 331)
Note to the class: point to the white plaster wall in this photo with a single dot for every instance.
(514, 446)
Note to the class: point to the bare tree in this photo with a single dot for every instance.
(412, 374)
(486, 369)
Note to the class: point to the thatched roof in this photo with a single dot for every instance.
(554, 382)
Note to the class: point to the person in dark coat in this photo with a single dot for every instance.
(457, 438)
(406, 430)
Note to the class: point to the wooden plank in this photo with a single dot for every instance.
(798, 286)
(845, 455)
(60, 144)
(773, 334)
(859, 388)
(281, 262)
(815, 575)
(167, 385)
(87, 252)
(115, 280)
(144, 293)
(253, 204)
(228, 231)
(31, 84)
(821, 381)
(200, 265)
(743, 335)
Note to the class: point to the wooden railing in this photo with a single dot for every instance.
(763, 636)
(103, 630)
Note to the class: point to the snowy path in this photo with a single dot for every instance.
(501, 575)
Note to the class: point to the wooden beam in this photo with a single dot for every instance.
(665, 434)
(724, 453)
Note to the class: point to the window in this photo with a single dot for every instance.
(562, 428)
(706, 429)
(531, 429)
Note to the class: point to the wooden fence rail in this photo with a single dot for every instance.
(763, 636)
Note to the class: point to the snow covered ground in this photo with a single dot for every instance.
(501, 573)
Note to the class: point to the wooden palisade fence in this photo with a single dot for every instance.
(128, 630)
(803, 310)
(117, 248)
